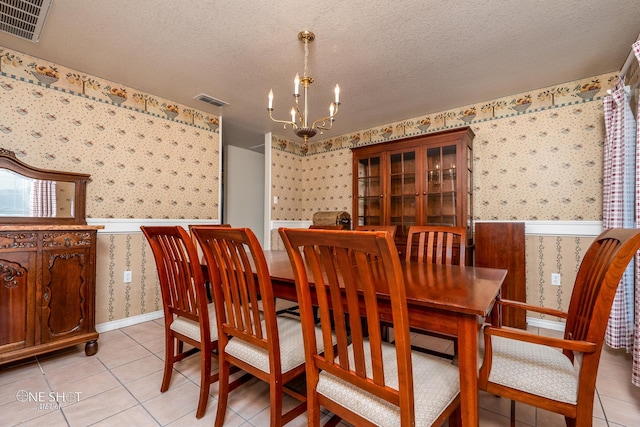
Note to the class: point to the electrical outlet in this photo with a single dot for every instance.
(127, 277)
(555, 279)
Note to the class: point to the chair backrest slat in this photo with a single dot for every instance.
(434, 244)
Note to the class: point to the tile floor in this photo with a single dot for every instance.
(120, 385)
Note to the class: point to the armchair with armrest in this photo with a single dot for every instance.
(529, 368)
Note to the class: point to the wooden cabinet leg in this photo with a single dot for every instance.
(91, 347)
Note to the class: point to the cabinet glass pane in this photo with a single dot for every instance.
(441, 185)
(369, 191)
(402, 163)
(369, 167)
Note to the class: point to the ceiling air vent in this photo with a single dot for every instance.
(24, 18)
(210, 100)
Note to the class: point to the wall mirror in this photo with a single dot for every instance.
(30, 195)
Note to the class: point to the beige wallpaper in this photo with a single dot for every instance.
(148, 157)
(537, 156)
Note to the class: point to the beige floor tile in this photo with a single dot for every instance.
(231, 418)
(87, 387)
(622, 390)
(143, 332)
(49, 419)
(135, 416)
(61, 358)
(114, 340)
(19, 370)
(34, 384)
(148, 387)
(156, 346)
(137, 369)
(59, 376)
(288, 403)
(174, 403)
(113, 358)
(619, 412)
(249, 399)
(99, 407)
(26, 408)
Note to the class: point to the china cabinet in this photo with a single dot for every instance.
(47, 261)
(421, 180)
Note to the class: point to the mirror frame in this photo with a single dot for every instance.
(9, 161)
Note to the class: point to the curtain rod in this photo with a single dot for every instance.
(627, 63)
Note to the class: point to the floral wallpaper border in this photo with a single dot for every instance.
(587, 90)
(44, 73)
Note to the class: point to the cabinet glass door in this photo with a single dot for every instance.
(369, 192)
(403, 191)
(441, 186)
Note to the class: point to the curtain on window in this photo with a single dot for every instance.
(43, 199)
(621, 190)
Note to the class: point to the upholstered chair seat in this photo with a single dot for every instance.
(436, 384)
(535, 369)
(191, 328)
(291, 352)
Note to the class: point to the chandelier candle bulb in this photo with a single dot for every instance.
(271, 99)
(293, 115)
(296, 85)
(337, 90)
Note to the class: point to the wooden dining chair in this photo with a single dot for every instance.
(261, 343)
(435, 244)
(188, 315)
(389, 228)
(528, 368)
(364, 380)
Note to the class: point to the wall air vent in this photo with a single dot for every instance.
(24, 18)
(210, 100)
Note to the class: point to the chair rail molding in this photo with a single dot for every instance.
(128, 226)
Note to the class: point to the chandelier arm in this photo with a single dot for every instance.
(286, 122)
(322, 122)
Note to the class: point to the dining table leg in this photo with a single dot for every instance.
(468, 365)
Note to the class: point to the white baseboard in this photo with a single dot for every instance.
(546, 324)
(129, 321)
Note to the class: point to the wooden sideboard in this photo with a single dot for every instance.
(47, 261)
(47, 289)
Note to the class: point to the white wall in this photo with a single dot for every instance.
(244, 189)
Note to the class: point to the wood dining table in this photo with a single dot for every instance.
(441, 298)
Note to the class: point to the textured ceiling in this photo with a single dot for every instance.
(393, 60)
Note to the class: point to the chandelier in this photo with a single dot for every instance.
(300, 119)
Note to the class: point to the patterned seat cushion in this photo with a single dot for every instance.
(191, 328)
(291, 347)
(533, 368)
(436, 383)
